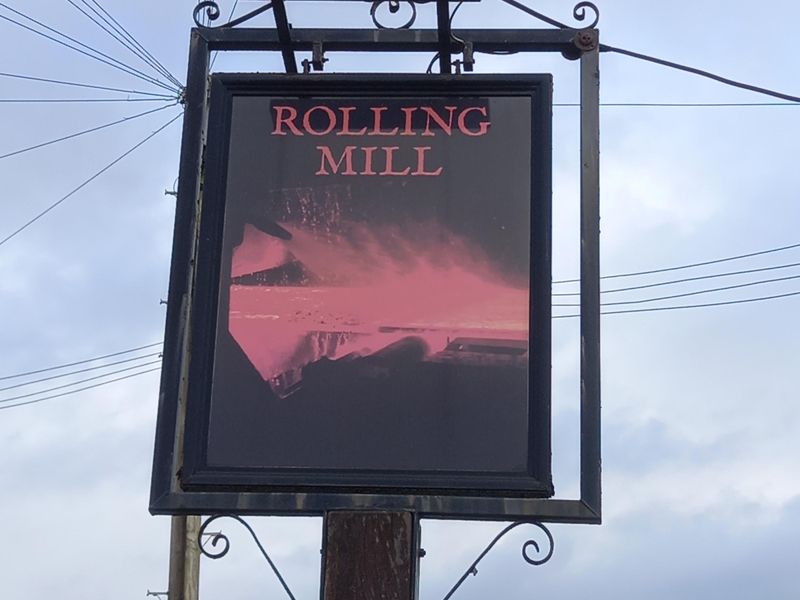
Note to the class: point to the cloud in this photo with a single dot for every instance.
(700, 408)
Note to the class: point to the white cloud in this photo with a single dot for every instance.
(700, 408)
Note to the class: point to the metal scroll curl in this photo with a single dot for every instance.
(394, 8)
(218, 537)
(212, 13)
(211, 9)
(579, 13)
(538, 558)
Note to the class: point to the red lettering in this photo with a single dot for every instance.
(368, 151)
(346, 110)
(421, 151)
(281, 120)
(432, 114)
(409, 112)
(376, 125)
(483, 126)
(331, 120)
(327, 155)
(389, 151)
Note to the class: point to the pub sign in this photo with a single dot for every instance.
(369, 316)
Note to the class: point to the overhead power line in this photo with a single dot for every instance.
(686, 280)
(138, 358)
(120, 34)
(116, 62)
(78, 371)
(83, 389)
(690, 265)
(81, 362)
(694, 293)
(80, 381)
(91, 53)
(453, 12)
(125, 33)
(86, 182)
(685, 306)
(83, 132)
(89, 86)
(701, 72)
(77, 100)
(114, 35)
(616, 312)
(230, 16)
(660, 61)
(124, 43)
(681, 104)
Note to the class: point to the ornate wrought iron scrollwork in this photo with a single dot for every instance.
(394, 8)
(218, 537)
(211, 9)
(544, 556)
(579, 14)
(212, 13)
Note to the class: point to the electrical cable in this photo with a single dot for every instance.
(537, 15)
(113, 34)
(87, 182)
(134, 41)
(85, 131)
(76, 372)
(650, 285)
(429, 70)
(111, 61)
(681, 104)
(691, 265)
(77, 100)
(127, 45)
(686, 279)
(65, 36)
(701, 72)
(627, 311)
(80, 381)
(89, 387)
(555, 317)
(81, 362)
(658, 61)
(124, 69)
(88, 85)
(686, 294)
(684, 306)
(216, 52)
(120, 34)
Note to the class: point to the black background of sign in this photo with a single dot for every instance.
(241, 459)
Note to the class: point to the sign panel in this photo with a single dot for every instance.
(371, 303)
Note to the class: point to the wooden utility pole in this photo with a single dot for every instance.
(370, 556)
(184, 558)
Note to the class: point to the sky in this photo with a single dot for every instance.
(701, 457)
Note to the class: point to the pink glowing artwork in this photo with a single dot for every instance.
(375, 275)
(359, 259)
(340, 290)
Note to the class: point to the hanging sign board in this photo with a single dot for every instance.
(370, 311)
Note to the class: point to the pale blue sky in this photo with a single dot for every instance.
(701, 412)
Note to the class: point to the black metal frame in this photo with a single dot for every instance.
(167, 497)
(197, 473)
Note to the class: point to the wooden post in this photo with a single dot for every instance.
(184, 558)
(370, 556)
